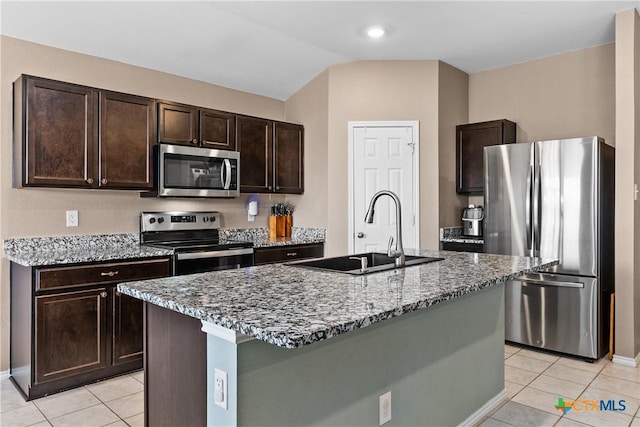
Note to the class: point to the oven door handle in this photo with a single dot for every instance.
(214, 254)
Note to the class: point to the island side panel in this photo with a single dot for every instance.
(441, 364)
(175, 367)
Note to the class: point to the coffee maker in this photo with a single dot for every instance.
(472, 221)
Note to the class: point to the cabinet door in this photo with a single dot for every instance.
(254, 139)
(126, 139)
(70, 331)
(289, 158)
(217, 130)
(128, 328)
(177, 124)
(60, 134)
(288, 253)
(471, 140)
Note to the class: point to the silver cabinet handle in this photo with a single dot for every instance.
(292, 253)
(103, 294)
(104, 180)
(89, 180)
(195, 141)
(109, 273)
(360, 235)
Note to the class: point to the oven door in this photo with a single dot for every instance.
(203, 261)
(197, 172)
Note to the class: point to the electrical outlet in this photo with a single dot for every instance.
(220, 388)
(385, 408)
(72, 218)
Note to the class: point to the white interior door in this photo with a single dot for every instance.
(383, 157)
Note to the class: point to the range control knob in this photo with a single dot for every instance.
(152, 220)
(212, 219)
(206, 218)
(160, 220)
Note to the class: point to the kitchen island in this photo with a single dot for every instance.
(303, 347)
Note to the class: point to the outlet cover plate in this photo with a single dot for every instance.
(385, 408)
(72, 218)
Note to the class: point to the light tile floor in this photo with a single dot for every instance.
(534, 382)
(115, 402)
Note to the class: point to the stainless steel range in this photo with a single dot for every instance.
(195, 239)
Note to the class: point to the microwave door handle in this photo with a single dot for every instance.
(226, 179)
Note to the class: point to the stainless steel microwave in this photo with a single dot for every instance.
(183, 171)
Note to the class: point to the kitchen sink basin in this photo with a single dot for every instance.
(351, 264)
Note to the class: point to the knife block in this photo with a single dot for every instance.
(280, 226)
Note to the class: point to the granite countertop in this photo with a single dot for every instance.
(260, 236)
(454, 235)
(39, 251)
(60, 250)
(291, 307)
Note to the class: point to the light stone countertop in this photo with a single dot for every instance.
(41, 251)
(291, 307)
(61, 250)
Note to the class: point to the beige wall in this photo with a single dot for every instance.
(560, 96)
(382, 90)
(627, 128)
(310, 105)
(41, 212)
(453, 109)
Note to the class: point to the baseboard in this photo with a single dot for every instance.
(486, 409)
(627, 361)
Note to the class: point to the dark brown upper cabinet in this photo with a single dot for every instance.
(188, 125)
(470, 141)
(126, 138)
(254, 139)
(69, 135)
(271, 156)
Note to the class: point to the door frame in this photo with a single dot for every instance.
(415, 127)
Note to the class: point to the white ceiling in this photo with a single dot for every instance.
(274, 48)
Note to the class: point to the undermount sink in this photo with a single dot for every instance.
(351, 264)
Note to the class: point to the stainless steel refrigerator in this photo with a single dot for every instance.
(554, 199)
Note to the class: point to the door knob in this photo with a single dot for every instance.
(360, 235)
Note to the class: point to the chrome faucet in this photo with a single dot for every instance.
(398, 253)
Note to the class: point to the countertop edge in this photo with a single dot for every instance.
(299, 340)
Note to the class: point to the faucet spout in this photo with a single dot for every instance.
(398, 253)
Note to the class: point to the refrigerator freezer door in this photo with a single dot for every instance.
(508, 189)
(553, 312)
(565, 226)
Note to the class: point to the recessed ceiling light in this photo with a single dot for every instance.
(375, 32)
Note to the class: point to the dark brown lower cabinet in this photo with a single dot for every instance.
(70, 334)
(128, 329)
(175, 369)
(70, 327)
(275, 254)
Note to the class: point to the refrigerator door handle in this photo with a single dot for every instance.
(527, 280)
(528, 214)
(537, 210)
